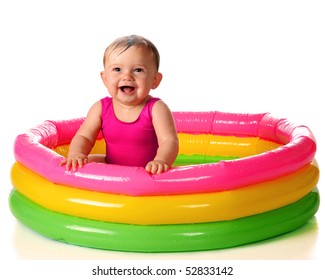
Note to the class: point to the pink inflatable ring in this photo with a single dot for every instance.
(34, 149)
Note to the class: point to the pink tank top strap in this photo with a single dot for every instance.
(150, 104)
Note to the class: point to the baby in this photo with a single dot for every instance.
(138, 129)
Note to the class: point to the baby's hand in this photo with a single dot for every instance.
(74, 161)
(156, 167)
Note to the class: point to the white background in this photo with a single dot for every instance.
(230, 56)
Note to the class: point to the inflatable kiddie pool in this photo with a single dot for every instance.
(238, 178)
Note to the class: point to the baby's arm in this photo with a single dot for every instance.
(164, 125)
(84, 139)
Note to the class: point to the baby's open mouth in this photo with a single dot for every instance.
(127, 89)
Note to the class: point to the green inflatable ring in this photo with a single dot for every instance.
(163, 238)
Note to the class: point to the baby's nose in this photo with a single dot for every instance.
(127, 76)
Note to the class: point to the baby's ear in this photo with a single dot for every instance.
(103, 76)
(157, 80)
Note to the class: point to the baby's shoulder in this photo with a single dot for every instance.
(160, 107)
(96, 108)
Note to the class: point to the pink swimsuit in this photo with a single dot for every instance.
(134, 143)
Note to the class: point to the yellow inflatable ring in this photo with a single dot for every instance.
(175, 209)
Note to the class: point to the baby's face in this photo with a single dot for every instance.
(129, 76)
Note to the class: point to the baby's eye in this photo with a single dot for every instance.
(138, 70)
(117, 69)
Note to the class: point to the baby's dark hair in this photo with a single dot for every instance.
(129, 41)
